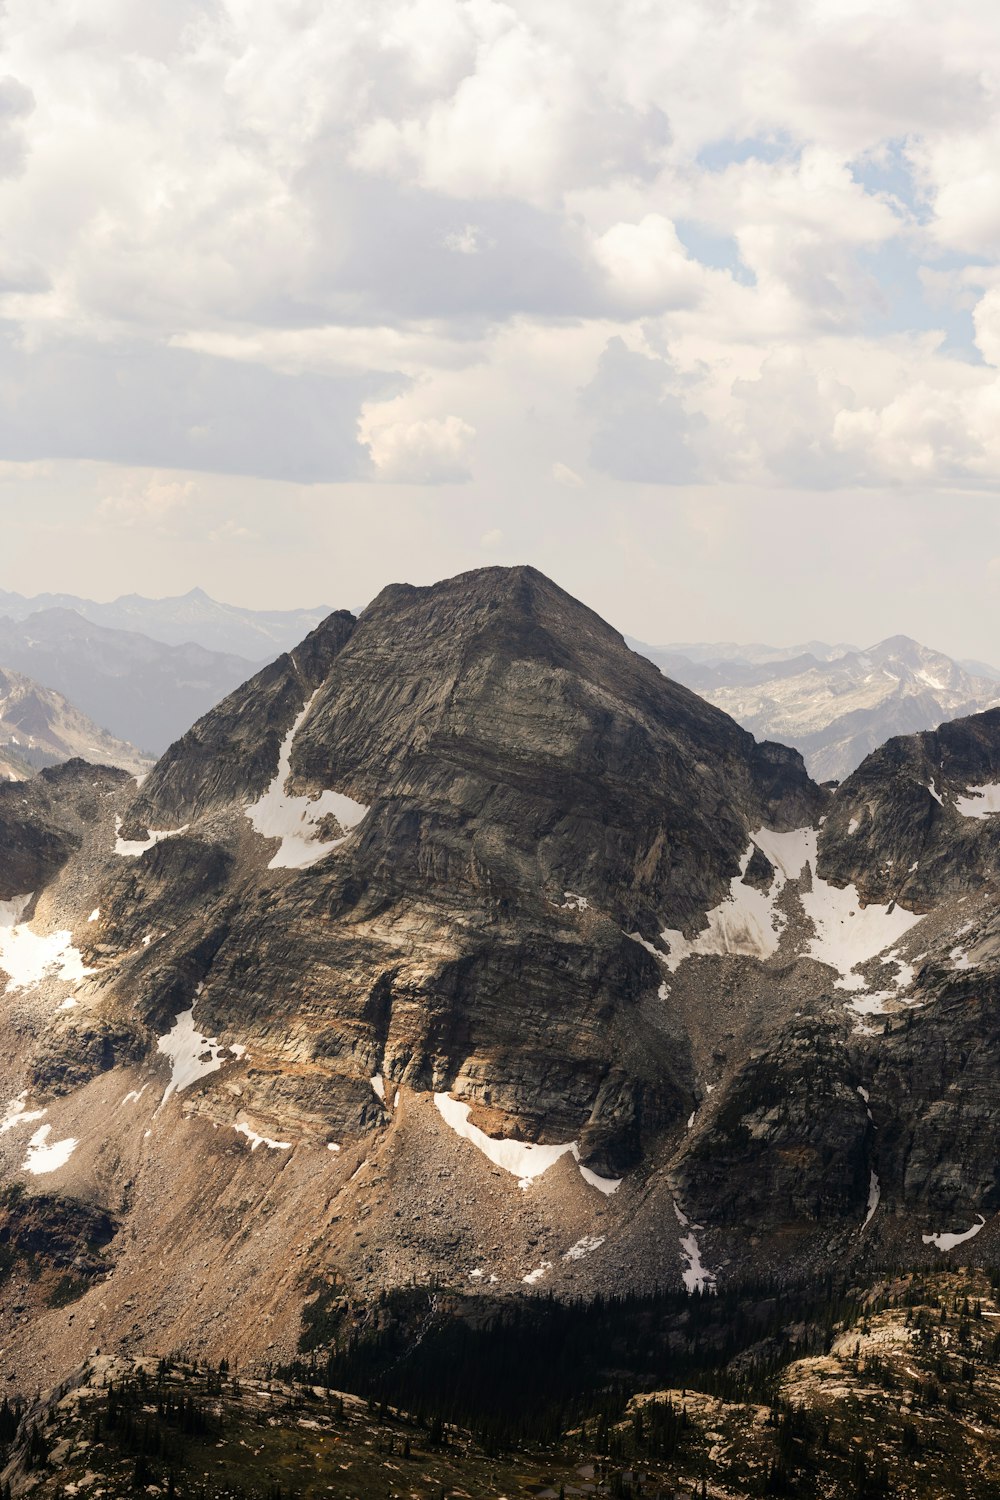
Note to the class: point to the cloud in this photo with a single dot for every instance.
(17, 102)
(231, 237)
(171, 408)
(141, 499)
(642, 430)
(432, 450)
(648, 267)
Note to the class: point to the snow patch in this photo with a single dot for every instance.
(536, 1275)
(133, 848)
(42, 1157)
(192, 1056)
(28, 958)
(936, 795)
(16, 1114)
(261, 1140)
(278, 814)
(696, 1276)
(949, 1241)
(573, 902)
(378, 1085)
(979, 801)
(525, 1160)
(606, 1185)
(94, 914)
(874, 1198)
(586, 1246)
(746, 921)
(854, 825)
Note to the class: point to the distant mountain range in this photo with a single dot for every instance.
(834, 703)
(39, 727)
(141, 690)
(256, 634)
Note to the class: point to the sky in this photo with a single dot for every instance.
(694, 306)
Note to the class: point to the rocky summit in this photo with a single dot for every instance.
(460, 946)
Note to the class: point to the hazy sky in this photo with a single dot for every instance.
(694, 305)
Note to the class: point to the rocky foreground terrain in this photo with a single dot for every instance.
(460, 948)
(899, 1398)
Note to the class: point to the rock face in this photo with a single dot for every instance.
(459, 942)
(915, 821)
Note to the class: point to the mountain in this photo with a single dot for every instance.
(144, 691)
(838, 708)
(39, 727)
(715, 653)
(459, 958)
(192, 618)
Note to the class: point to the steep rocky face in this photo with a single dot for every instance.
(41, 821)
(915, 822)
(460, 943)
(230, 756)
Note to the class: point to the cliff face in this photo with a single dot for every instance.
(460, 942)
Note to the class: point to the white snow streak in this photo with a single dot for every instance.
(949, 1241)
(537, 1274)
(586, 1246)
(525, 1160)
(17, 1114)
(696, 1276)
(192, 1056)
(846, 933)
(278, 814)
(874, 1198)
(261, 1140)
(132, 848)
(42, 1157)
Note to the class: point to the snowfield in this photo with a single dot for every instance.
(27, 958)
(748, 922)
(192, 1056)
(294, 820)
